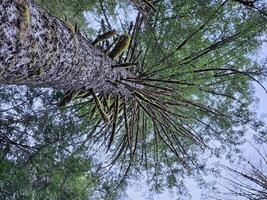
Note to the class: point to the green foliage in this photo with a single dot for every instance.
(196, 68)
(41, 156)
(39, 178)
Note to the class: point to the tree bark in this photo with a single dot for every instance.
(37, 49)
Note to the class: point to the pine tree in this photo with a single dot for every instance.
(182, 82)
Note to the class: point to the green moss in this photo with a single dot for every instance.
(104, 36)
(25, 22)
(121, 46)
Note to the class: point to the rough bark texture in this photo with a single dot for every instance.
(39, 50)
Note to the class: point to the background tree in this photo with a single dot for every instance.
(248, 181)
(37, 142)
(187, 87)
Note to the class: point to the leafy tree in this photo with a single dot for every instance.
(182, 86)
(37, 157)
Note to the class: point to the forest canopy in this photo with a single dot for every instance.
(153, 89)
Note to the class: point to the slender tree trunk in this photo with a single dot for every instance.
(39, 50)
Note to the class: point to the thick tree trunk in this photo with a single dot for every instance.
(39, 50)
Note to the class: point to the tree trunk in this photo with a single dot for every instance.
(40, 50)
